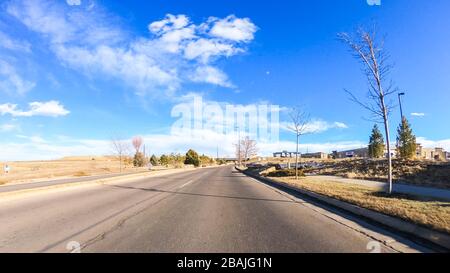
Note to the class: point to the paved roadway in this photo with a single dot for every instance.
(40, 184)
(207, 210)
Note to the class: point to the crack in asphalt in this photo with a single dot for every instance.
(122, 221)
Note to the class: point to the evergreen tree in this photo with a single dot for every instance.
(154, 160)
(192, 158)
(406, 140)
(376, 143)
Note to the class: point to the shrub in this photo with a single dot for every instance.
(285, 173)
(139, 160)
(80, 174)
(192, 158)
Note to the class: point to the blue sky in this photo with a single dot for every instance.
(97, 69)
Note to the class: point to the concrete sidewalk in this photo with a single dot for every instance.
(397, 187)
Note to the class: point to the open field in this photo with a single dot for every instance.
(27, 171)
(425, 212)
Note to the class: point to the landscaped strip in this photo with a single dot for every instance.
(429, 219)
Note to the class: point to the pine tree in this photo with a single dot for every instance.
(376, 143)
(154, 160)
(406, 140)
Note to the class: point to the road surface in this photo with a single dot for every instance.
(207, 210)
(53, 182)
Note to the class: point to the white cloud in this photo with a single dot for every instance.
(8, 127)
(205, 49)
(316, 126)
(38, 148)
(12, 44)
(11, 81)
(209, 74)
(232, 28)
(46, 109)
(418, 114)
(427, 143)
(89, 41)
(73, 2)
(170, 23)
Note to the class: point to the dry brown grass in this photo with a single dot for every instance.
(26, 171)
(429, 213)
(80, 174)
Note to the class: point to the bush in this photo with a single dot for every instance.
(221, 162)
(139, 160)
(164, 160)
(285, 173)
(80, 174)
(192, 158)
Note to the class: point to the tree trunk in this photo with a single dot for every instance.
(296, 161)
(120, 163)
(388, 143)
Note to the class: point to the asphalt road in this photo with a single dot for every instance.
(207, 210)
(40, 184)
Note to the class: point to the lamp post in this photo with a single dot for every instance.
(239, 144)
(400, 103)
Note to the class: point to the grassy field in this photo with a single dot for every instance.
(429, 213)
(67, 167)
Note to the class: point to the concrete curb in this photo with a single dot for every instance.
(435, 237)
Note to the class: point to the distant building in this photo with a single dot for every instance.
(315, 155)
(438, 154)
(355, 153)
(285, 154)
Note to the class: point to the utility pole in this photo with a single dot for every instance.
(400, 103)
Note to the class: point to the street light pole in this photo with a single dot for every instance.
(400, 103)
(239, 144)
(240, 160)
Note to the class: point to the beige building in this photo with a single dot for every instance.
(438, 154)
(315, 155)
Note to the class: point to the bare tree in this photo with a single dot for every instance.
(120, 148)
(300, 120)
(376, 68)
(137, 143)
(246, 148)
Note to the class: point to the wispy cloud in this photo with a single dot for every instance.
(73, 2)
(46, 109)
(38, 148)
(12, 44)
(8, 127)
(418, 114)
(427, 143)
(316, 126)
(11, 81)
(178, 51)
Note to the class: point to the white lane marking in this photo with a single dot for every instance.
(185, 184)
